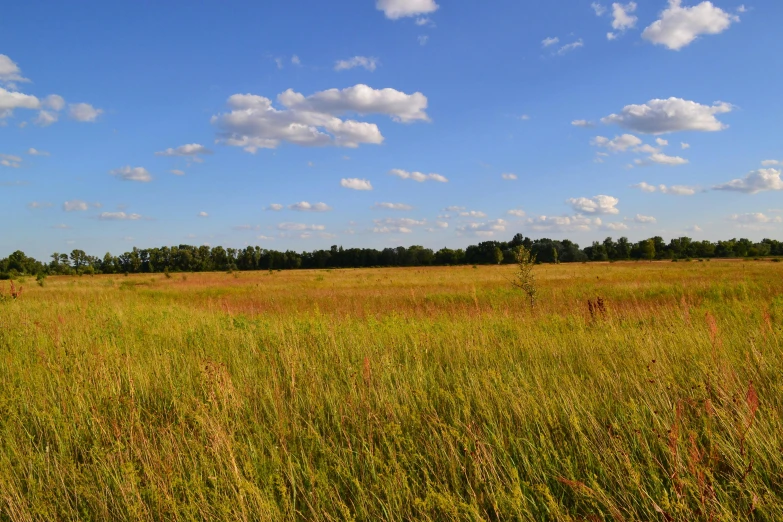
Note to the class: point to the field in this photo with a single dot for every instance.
(396, 394)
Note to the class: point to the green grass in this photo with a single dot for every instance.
(396, 394)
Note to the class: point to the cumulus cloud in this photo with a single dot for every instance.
(453, 208)
(418, 176)
(663, 159)
(622, 19)
(304, 206)
(84, 112)
(400, 222)
(275, 207)
(191, 149)
(661, 142)
(118, 216)
(508, 176)
(671, 115)
(392, 206)
(488, 229)
(570, 47)
(45, 118)
(680, 26)
(473, 214)
(356, 184)
(203, 214)
(752, 218)
(516, 212)
(598, 8)
(547, 42)
(10, 74)
(298, 227)
(614, 226)
(129, 173)
(771, 163)
(54, 102)
(577, 223)
(396, 9)
(600, 204)
(684, 145)
(35, 152)
(644, 219)
(618, 144)
(760, 180)
(177, 172)
(253, 122)
(583, 123)
(75, 205)
(367, 62)
(7, 160)
(676, 190)
(16, 100)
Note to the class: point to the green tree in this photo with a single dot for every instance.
(648, 249)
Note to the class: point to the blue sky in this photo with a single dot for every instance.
(430, 122)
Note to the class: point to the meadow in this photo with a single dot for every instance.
(633, 391)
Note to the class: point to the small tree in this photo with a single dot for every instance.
(648, 249)
(524, 278)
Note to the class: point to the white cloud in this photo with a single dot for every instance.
(367, 62)
(203, 214)
(417, 176)
(577, 223)
(600, 204)
(647, 149)
(508, 176)
(295, 60)
(356, 184)
(516, 212)
(395, 9)
(311, 121)
(756, 181)
(570, 47)
(441, 224)
(525, 117)
(35, 152)
(622, 19)
(676, 190)
(663, 159)
(7, 160)
(661, 142)
(423, 39)
(618, 144)
(118, 216)
(583, 123)
(694, 228)
(61, 226)
(304, 206)
(546, 42)
(392, 206)
(771, 163)
(453, 208)
(16, 100)
(296, 227)
(614, 226)
(39, 204)
(742, 9)
(424, 20)
(275, 207)
(265, 238)
(10, 74)
(391, 230)
(400, 222)
(75, 205)
(84, 112)
(671, 115)
(45, 118)
(755, 218)
(679, 26)
(473, 214)
(488, 229)
(684, 145)
(129, 173)
(54, 102)
(177, 172)
(598, 8)
(644, 219)
(191, 149)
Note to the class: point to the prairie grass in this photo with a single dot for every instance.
(396, 394)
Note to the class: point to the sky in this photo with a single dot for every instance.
(375, 123)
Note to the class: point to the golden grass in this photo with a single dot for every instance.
(396, 394)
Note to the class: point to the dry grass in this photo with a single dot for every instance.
(396, 394)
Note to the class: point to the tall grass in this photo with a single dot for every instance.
(396, 394)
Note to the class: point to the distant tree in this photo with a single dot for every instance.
(648, 249)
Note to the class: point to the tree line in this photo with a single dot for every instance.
(188, 258)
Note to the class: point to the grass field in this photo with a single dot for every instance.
(396, 394)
